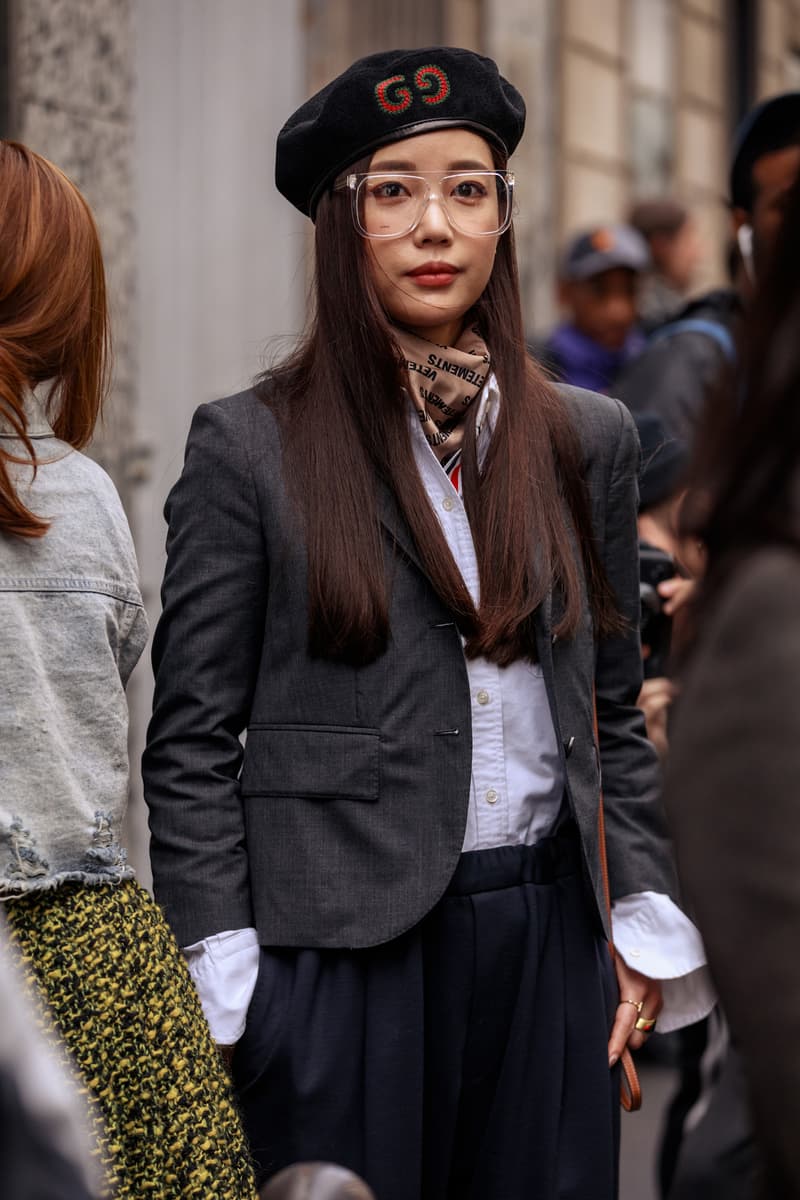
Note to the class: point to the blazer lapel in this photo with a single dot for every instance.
(543, 624)
(395, 525)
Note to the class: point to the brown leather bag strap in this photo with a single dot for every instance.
(630, 1090)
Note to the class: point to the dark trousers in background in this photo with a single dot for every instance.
(719, 1156)
(465, 1059)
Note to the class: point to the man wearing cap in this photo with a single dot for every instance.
(685, 358)
(676, 249)
(598, 278)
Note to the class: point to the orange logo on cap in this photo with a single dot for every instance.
(602, 240)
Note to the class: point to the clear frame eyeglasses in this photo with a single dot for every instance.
(392, 204)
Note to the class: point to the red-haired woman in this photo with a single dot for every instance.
(403, 562)
(99, 957)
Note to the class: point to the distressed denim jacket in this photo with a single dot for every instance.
(72, 627)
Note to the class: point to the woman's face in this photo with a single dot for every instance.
(429, 278)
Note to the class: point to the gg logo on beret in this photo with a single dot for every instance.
(426, 79)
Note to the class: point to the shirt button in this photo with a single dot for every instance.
(483, 696)
(635, 953)
(447, 504)
(491, 796)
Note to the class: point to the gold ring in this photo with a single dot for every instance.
(637, 1004)
(645, 1024)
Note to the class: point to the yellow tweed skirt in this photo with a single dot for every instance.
(108, 974)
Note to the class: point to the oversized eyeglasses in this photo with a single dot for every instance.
(391, 204)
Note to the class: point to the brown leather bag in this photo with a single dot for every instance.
(630, 1090)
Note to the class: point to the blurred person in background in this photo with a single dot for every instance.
(98, 955)
(708, 1145)
(670, 563)
(685, 358)
(732, 785)
(676, 251)
(598, 281)
(663, 577)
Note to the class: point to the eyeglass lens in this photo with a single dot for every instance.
(390, 205)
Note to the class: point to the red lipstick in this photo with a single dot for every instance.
(434, 274)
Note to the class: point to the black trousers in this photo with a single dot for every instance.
(465, 1059)
(719, 1156)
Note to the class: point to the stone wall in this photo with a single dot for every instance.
(644, 109)
(72, 70)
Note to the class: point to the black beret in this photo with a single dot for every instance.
(385, 97)
(770, 126)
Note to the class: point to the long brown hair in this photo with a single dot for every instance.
(336, 440)
(53, 313)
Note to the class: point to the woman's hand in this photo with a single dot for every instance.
(676, 593)
(637, 988)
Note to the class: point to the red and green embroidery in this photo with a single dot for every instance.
(429, 77)
(402, 97)
(431, 81)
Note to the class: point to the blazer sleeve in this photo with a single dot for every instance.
(206, 657)
(639, 854)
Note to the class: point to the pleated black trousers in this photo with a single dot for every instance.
(466, 1059)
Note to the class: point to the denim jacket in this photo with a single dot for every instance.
(72, 627)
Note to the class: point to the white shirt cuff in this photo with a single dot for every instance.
(655, 938)
(224, 969)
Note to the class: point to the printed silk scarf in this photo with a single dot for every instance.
(443, 383)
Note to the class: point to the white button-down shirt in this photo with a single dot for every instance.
(517, 780)
(516, 793)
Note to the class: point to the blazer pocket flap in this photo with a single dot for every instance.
(313, 761)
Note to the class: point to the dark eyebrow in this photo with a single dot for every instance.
(469, 164)
(394, 165)
(401, 165)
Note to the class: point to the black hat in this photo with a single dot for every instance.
(388, 96)
(602, 249)
(770, 126)
(664, 461)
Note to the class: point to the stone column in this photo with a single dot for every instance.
(72, 72)
(521, 36)
(220, 253)
(703, 129)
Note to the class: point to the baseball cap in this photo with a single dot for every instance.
(602, 249)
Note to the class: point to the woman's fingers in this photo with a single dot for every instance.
(623, 1030)
(639, 997)
(638, 1037)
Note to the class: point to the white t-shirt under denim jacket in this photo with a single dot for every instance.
(72, 627)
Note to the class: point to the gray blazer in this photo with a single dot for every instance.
(340, 821)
